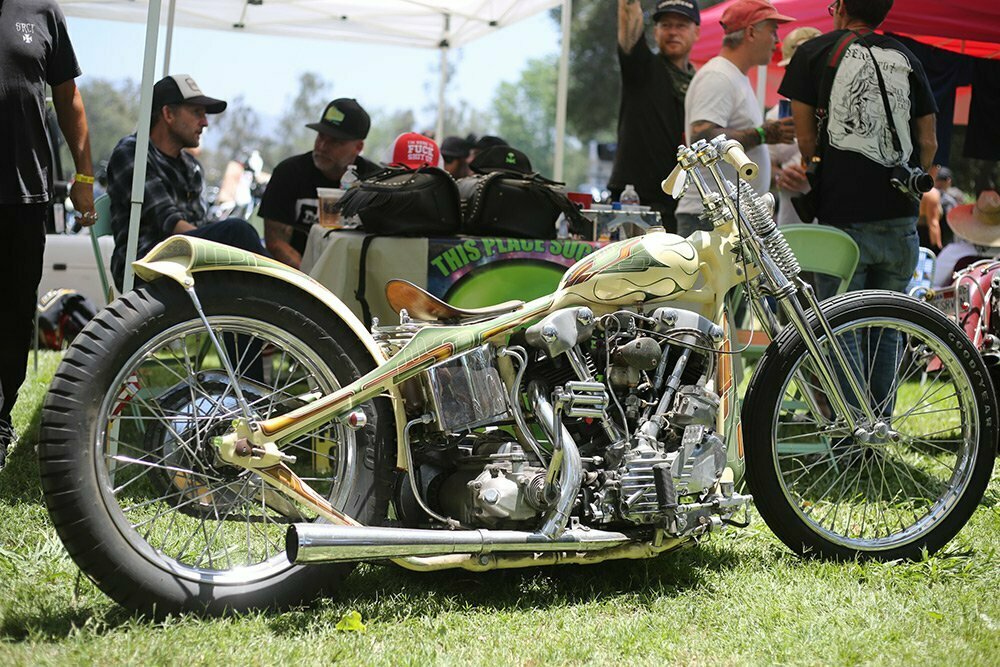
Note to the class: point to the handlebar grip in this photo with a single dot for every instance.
(732, 152)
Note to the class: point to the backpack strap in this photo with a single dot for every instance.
(896, 143)
(362, 274)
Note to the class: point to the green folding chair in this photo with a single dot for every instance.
(102, 206)
(819, 249)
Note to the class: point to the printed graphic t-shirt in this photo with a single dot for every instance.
(860, 156)
(35, 50)
(720, 93)
(291, 197)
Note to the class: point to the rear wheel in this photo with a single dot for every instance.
(135, 488)
(907, 480)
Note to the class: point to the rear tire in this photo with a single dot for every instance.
(129, 475)
(910, 486)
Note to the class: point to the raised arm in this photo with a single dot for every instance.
(630, 28)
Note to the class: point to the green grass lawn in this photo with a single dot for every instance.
(739, 598)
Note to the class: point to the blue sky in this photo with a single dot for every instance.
(265, 69)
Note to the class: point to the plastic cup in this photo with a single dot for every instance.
(328, 198)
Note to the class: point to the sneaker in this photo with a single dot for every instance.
(7, 438)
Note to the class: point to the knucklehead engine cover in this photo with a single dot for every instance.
(655, 266)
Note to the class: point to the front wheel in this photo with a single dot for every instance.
(902, 482)
(132, 482)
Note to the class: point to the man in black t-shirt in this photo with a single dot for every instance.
(35, 51)
(651, 115)
(855, 192)
(290, 205)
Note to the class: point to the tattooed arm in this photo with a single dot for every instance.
(630, 28)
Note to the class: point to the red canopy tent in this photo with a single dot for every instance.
(971, 27)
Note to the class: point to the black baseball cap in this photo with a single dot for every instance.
(686, 8)
(181, 89)
(343, 118)
(453, 148)
(489, 141)
(501, 158)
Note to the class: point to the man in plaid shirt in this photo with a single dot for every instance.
(174, 201)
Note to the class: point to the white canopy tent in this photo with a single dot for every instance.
(435, 24)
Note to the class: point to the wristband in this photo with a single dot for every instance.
(83, 178)
(761, 134)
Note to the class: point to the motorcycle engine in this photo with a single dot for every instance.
(484, 479)
(661, 369)
(652, 456)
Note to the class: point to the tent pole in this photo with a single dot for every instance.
(169, 42)
(762, 87)
(442, 80)
(562, 92)
(142, 138)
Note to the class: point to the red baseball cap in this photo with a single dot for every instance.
(744, 13)
(415, 150)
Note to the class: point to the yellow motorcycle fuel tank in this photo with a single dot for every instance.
(654, 267)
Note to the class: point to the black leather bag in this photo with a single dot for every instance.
(500, 204)
(506, 198)
(405, 202)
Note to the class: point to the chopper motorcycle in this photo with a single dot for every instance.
(229, 436)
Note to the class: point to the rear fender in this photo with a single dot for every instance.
(180, 257)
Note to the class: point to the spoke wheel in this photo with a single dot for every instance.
(910, 474)
(174, 527)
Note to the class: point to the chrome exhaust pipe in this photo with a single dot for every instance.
(566, 457)
(324, 542)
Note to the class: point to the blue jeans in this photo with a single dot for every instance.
(888, 255)
(235, 232)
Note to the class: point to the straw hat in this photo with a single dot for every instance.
(978, 223)
(793, 40)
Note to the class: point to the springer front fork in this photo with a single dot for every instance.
(794, 301)
(741, 206)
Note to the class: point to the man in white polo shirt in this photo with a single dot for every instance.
(720, 99)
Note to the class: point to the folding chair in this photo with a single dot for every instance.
(102, 206)
(819, 249)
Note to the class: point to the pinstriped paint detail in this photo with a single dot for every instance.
(434, 355)
(523, 316)
(335, 400)
(590, 266)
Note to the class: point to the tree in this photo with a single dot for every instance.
(525, 114)
(386, 126)
(292, 136)
(113, 111)
(234, 134)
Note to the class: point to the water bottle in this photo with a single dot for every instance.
(350, 177)
(629, 198)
